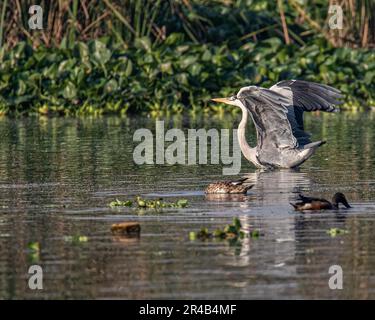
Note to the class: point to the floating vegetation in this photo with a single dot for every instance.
(33, 246)
(33, 252)
(118, 203)
(333, 232)
(139, 202)
(76, 239)
(93, 78)
(126, 228)
(231, 232)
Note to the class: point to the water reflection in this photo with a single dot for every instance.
(57, 177)
(278, 185)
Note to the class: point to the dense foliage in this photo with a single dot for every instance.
(92, 78)
(211, 50)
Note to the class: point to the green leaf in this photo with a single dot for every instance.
(111, 86)
(143, 43)
(100, 53)
(70, 91)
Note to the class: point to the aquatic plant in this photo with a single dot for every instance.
(142, 56)
(139, 202)
(76, 239)
(94, 78)
(231, 231)
(119, 203)
(33, 252)
(333, 232)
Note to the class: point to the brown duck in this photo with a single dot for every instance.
(309, 203)
(229, 187)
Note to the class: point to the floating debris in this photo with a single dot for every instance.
(149, 203)
(33, 246)
(281, 240)
(76, 239)
(118, 203)
(126, 228)
(333, 232)
(33, 252)
(230, 231)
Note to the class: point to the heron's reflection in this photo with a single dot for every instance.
(278, 186)
(271, 213)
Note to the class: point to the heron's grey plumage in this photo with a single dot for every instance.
(277, 113)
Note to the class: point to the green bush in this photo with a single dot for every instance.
(97, 78)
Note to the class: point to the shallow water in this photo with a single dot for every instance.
(57, 177)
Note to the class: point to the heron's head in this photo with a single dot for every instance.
(232, 100)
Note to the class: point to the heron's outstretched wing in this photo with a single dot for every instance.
(306, 96)
(270, 115)
(278, 112)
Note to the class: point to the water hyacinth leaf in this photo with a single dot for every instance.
(206, 55)
(129, 68)
(369, 77)
(21, 87)
(230, 232)
(19, 100)
(118, 203)
(143, 43)
(40, 56)
(182, 203)
(77, 75)
(187, 61)
(33, 246)
(99, 52)
(166, 68)
(111, 86)
(333, 232)
(70, 91)
(82, 51)
(149, 203)
(76, 239)
(192, 235)
(66, 66)
(33, 252)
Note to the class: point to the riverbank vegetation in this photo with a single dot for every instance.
(159, 56)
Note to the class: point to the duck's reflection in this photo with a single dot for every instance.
(227, 197)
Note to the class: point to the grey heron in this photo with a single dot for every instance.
(277, 113)
(309, 203)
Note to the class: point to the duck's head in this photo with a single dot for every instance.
(340, 198)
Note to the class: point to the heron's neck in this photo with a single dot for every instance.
(248, 152)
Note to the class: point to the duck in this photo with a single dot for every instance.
(229, 187)
(310, 203)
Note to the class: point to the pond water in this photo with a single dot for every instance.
(58, 175)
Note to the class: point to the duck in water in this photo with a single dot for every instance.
(310, 203)
(229, 187)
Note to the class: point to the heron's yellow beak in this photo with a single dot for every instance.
(222, 100)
